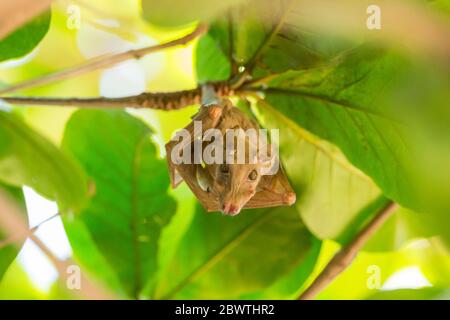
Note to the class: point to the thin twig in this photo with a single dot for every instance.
(103, 62)
(20, 237)
(161, 100)
(345, 256)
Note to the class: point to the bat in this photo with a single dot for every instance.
(225, 185)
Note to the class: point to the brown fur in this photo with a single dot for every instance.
(238, 185)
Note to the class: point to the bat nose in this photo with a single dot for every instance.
(234, 209)
(230, 209)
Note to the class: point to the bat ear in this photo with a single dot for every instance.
(269, 161)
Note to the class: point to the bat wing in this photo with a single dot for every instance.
(188, 173)
(207, 198)
(209, 117)
(276, 191)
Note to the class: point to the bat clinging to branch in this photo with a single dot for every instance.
(238, 174)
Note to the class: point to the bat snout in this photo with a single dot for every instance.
(230, 209)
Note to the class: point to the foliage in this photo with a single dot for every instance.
(178, 13)
(130, 205)
(362, 123)
(8, 253)
(26, 158)
(229, 263)
(24, 39)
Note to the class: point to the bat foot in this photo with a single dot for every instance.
(289, 198)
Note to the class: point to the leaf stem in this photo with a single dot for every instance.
(103, 61)
(347, 254)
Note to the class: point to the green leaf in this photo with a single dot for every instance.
(180, 12)
(370, 269)
(240, 257)
(434, 262)
(16, 285)
(60, 291)
(359, 101)
(8, 253)
(131, 204)
(367, 103)
(88, 256)
(403, 225)
(211, 63)
(24, 39)
(339, 103)
(441, 5)
(26, 158)
(333, 197)
(265, 37)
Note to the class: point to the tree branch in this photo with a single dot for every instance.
(19, 237)
(103, 62)
(161, 100)
(345, 256)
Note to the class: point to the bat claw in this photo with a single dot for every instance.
(289, 198)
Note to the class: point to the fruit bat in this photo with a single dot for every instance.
(226, 186)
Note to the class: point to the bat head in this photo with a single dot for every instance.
(236, 184)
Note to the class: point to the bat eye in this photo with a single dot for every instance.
(253, 175)
(224, 168)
